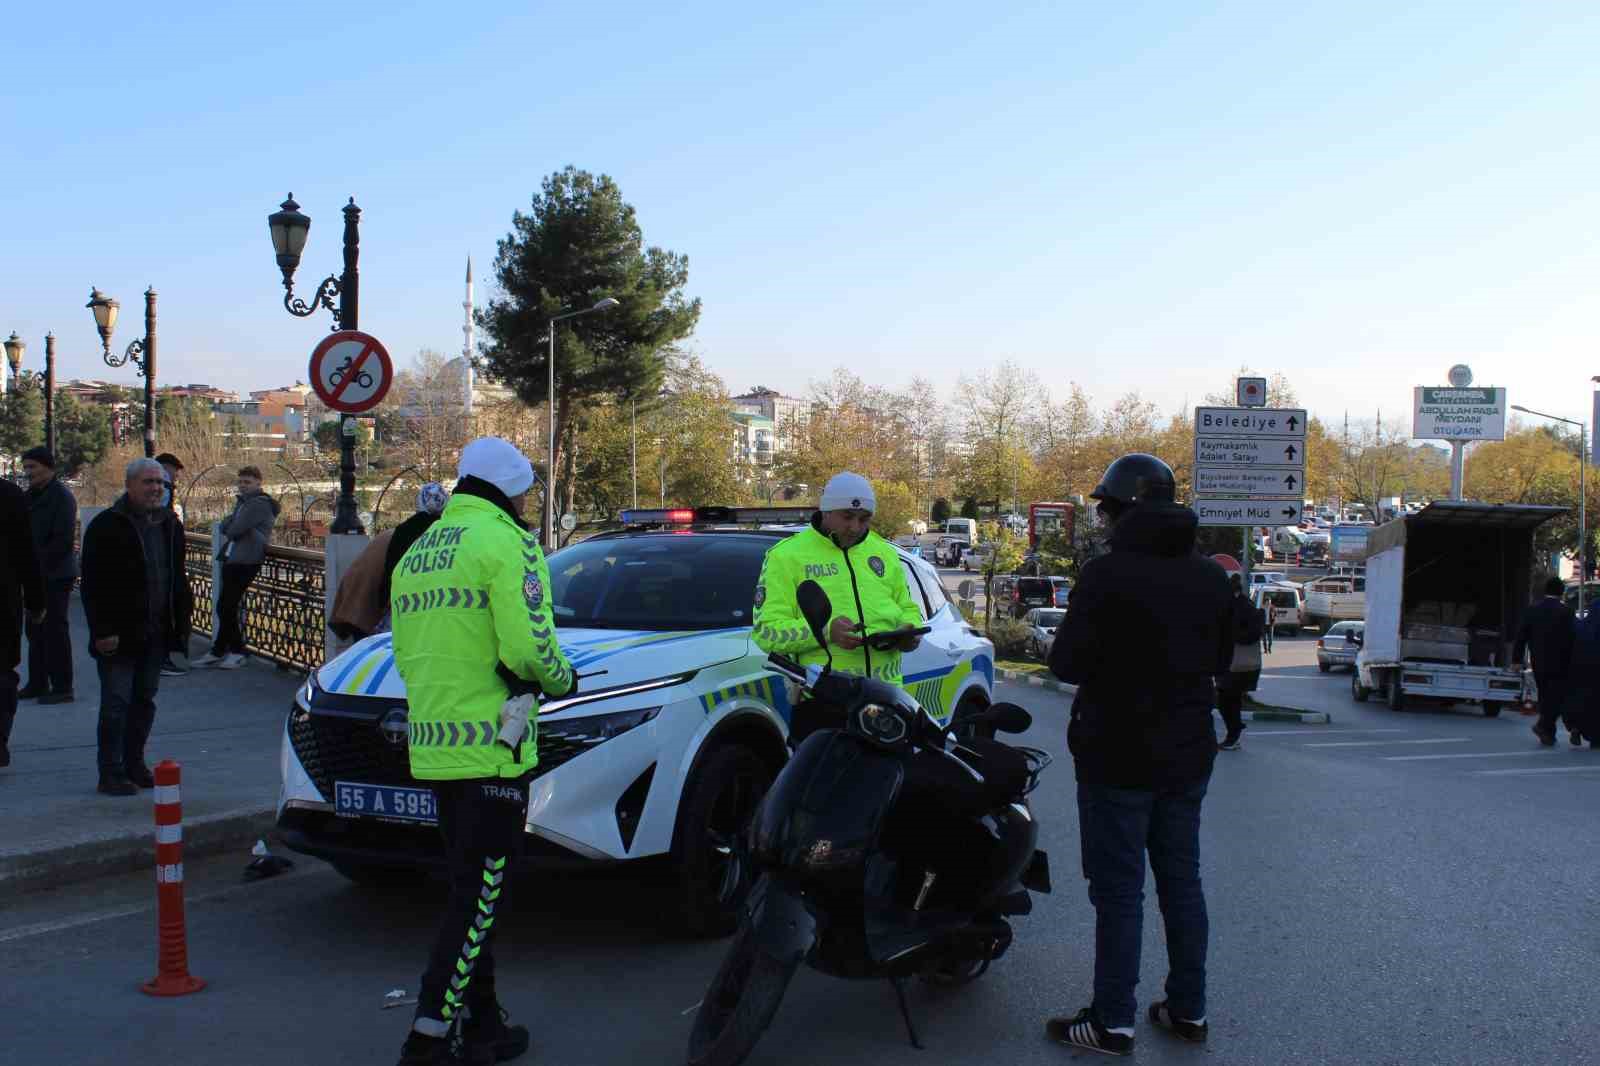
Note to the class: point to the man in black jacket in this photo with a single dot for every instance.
(20, 584)
(1146, 631)
(53, 512)
(134, 590)
(1548, 628)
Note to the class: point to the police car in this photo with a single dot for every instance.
(661, 754)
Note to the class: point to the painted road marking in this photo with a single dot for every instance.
(1541, 770)
(1468, 755)
(1379, 743)
(1313, 732)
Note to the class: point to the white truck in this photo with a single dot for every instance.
(1446, 590)
(1335, 599)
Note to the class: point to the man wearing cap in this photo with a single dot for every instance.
(862, 575)
(53, 515)
(473, 635)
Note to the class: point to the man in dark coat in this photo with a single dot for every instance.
(1148, 628)
(134, 591)
(53, 513)
(1548, 628)
(1583, 680)
(21, 584)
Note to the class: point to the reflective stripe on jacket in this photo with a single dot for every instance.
(865, 584)
(472, 593)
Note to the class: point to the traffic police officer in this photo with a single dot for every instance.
(864, 580)
(470, 603)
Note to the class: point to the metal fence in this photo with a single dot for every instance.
(283, 608)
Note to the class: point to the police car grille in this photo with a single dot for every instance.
(341, 748)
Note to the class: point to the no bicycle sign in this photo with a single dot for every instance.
(351, 371)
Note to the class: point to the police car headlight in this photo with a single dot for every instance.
(596, 728)
(303, 697)
(881, 723)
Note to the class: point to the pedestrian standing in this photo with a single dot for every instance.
(53, 515)
(173, 466)
(1583, 680)
(1244, 672)
(21, 588)
(133, 592)
(469, 664)
(1271, 628)
(1548, 630)
(246, 534)
(1143, 746)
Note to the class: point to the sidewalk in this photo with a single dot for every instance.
(223, 726)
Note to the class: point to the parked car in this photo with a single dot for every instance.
(1042, 623)
(662, 758)
(1290, 601)
(949, 549)
(1335, 599)
(976, 556)
(1263, 578)
(1018, 594)
(1063, 590)
(1339, 645)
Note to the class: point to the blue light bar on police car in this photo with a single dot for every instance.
(741, 516)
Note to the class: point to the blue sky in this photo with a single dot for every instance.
(1132, 196)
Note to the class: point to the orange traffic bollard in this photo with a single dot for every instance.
(172, 962)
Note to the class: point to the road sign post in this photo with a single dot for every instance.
(350, 372)
(1249, 467)
(1458, 415)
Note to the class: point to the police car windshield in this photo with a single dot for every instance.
(658, 581)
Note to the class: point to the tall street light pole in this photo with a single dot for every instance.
(289, 229)
(141, 353)
(550, 470)
(1583, 496)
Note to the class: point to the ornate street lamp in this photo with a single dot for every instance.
(141, 353)
(289, 228)
(15, 347)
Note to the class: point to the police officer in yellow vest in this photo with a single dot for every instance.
(864, 580)
(473, 636)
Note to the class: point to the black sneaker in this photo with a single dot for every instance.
(419, 1050)
(1085, 1031)
(117, 786)
(1576, 739)
(486, 1038)
(171, 669)
(58, 697)
(1546, 737)
(141, 776)
(1231, 741)
(1161, 1017)
(31, 692)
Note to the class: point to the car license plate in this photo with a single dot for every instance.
(354, 800)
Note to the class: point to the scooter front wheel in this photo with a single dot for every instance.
(740, 1004)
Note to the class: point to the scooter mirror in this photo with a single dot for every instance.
(817, 609)
(1008, 718)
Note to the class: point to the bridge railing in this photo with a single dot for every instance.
(283, 608)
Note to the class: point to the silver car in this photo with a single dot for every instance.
(1042, 623)
(1338, 646)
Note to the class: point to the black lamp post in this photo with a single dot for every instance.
(15, 348)
(289, 228)
(142, 353)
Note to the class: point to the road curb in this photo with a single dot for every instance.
(129, 852)
(1049, 684)
(1303, 717)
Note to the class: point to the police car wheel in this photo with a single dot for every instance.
(717, 803)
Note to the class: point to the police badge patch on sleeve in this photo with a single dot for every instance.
(532, 591)
(876, 565)
(761, 595)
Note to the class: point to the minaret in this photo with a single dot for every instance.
(466, 346)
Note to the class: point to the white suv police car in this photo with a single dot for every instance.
(662, 756)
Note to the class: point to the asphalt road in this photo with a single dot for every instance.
(1391, 888)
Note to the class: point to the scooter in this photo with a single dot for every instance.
(844, 884)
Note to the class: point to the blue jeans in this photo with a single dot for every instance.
(1118, 826)
(128, 684)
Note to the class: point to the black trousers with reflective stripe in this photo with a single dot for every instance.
(483, 821)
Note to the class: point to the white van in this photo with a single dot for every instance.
(1291, 603)
(965, 528)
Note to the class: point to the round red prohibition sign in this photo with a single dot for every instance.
(351, 371)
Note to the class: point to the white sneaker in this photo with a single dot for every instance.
(208, 660)
(231, 662)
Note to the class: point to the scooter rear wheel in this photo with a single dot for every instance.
(740, 1004)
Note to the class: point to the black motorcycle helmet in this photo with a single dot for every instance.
(1134, 479)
